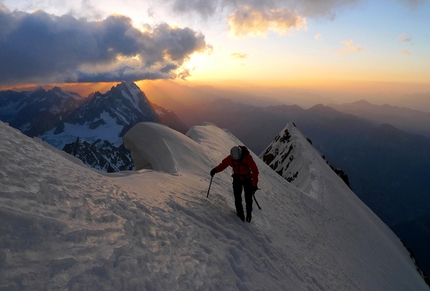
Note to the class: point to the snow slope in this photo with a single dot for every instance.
(66, 227)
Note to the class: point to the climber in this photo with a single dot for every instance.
(245, 176)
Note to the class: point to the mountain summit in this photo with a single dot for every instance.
(105, 116)
(64, 226)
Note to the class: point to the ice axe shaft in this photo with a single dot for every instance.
(210, 183)
(256, 202)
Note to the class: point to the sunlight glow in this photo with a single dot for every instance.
(325, 47)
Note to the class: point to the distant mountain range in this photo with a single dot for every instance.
(406, 119)
(35, 112)
(90, 128)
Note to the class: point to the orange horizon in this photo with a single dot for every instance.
(342, 91)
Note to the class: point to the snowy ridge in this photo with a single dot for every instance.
(288, 155)
(66, 227)
(156, 146)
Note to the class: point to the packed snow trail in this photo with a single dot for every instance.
(66, 227)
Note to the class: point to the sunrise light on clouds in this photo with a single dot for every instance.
(303, 44)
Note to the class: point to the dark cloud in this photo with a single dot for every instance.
(39, 47)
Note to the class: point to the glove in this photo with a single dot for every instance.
(213, 172)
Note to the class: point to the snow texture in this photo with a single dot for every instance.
(66, 227)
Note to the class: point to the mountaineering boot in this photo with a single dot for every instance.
(239, 210)
(241, 216)
(248, 217)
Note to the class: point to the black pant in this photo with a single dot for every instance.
(237, 191)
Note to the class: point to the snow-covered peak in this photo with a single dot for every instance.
(104, 116)
(68, 227)
(286, 155)
(132, 92)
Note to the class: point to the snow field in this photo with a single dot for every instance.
(67, 227)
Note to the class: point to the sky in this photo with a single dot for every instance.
(66, 226)
(342, 45)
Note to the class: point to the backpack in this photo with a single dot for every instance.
(241, 170)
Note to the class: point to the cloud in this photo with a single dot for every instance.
(238, 55)
(42, 48)
(263, 12)
(184, 74)
(205, 8)
(348, 47)
(85, 9)
(247, 20)
(405, 52)
(307, 8)
(257, 17)
(404, 38)
(3, 7)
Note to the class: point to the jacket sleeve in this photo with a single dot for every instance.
(254, 170)
(228, 161)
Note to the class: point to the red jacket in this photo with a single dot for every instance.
(244, 168)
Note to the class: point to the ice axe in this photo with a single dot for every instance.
(210, 186)
(253, 195)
